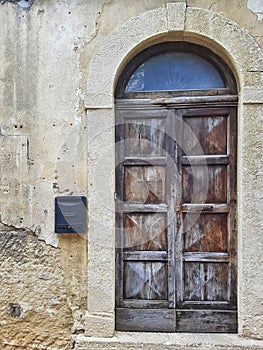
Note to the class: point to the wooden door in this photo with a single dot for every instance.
(175, 215)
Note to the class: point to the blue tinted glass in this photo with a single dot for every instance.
(175, 71)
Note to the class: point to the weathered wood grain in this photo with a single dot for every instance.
(206, 257)
(207, 233)
(176, 235)
(205, 184)
(145, 280)
(144, 137)
(145, 255)
(209, 132)
(205, 281)
(205, 160)
(204, 208)
(144, 208)
(147, 320)
(205, 321)
(144, 184)
(145, 231)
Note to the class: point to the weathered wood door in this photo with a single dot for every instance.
(175, 215)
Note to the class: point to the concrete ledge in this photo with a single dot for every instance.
(164, 341)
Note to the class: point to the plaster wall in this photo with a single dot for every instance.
(51, 145)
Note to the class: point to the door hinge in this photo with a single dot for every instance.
(115, 196)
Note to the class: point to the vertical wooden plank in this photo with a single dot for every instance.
(179, 127)
(217, 282)
(119, 177)
(232, 199)
(171, 197)
(193, 282)
(206, 282)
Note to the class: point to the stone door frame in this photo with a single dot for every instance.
(238, 49)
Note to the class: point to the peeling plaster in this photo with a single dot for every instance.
(256, 6)
(24, 4)
(83, 41)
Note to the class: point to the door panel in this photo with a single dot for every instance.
(145, 280)
(144, 137)
(205, 184)
(144, 184)
(207, 233)
(145, 232)
(175, 215)
(205, 281)
(210, 132)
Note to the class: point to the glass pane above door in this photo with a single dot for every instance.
(172, 71)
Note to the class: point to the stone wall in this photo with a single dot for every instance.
(48, 149)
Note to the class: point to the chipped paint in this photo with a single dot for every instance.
(256, 6)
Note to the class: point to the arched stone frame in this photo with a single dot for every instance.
(233, 44)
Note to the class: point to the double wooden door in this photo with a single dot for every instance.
(175, 215)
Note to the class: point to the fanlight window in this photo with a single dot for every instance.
(171, 71)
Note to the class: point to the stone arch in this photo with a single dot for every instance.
(173, 22)
(233, 44)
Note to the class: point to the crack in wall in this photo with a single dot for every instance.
(4, 226)
(8, 227)
(169, 18)
(211, 5)
(86, 40)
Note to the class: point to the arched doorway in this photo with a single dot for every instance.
(176, 258)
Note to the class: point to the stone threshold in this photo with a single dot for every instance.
(167, 341)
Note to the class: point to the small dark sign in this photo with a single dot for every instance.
(70, 214)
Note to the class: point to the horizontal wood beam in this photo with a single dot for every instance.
(205, 257)
(144, 161)
(205, 160)
(204, 208)
(145, 208)
(146, 255)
